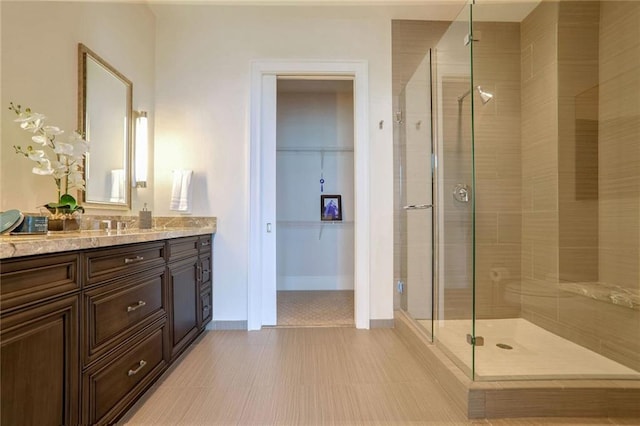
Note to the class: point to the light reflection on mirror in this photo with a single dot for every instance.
(105, 117)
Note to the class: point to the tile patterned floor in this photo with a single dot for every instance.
(316, 308)
(306, 376)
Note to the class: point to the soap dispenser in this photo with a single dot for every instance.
(144, 218)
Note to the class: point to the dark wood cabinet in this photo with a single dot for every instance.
(183, 284)
(38, 278)
(112, 385)
(114, 311)
(205, 307)
(40, 364)
(204, 281)
(84, 334)
(190, 289)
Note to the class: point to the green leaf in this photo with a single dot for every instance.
(68, 200)
(67, 204)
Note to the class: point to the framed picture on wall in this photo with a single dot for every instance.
(331, 207)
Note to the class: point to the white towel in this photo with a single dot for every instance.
(117, 186)
(181, 191)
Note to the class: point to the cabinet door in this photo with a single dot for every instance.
(205, 306)
(184, 303)
(40, 365)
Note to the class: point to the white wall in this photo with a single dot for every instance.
(204, 56)
(202, 64)
(39, 69)
(314, 255)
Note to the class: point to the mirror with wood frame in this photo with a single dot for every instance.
(105, 118)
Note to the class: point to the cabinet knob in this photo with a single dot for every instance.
(135, 371)
(138, 305)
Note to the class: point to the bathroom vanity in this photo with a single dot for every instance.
(89, 321)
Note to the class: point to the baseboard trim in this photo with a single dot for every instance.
(382, 323)
(227, 325)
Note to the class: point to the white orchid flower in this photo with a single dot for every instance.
(66, 166)
(37, 154)
(40, 139)
(52, 130)
(32, 126)
(76, 137)
(79, 150)
(31, 121)
(26, 117)
(43, 168)
(63, 148)
(76, 180)
(80, 146)
(59, 170)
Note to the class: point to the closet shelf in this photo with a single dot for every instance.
(320, 149)
(313, 223)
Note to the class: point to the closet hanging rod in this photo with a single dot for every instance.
(314, 149)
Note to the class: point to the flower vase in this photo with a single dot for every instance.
(65, 224)
(61, 220)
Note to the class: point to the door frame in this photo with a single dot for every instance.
(261, 291)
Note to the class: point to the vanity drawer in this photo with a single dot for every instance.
(105, 264)
(180, 248)
(205, 244)
(205, 268)
(37, 278)
(205, 306)
(115, 311)
(113, 385)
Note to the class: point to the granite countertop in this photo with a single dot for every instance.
(27, 245)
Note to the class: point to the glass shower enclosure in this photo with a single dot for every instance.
(536, 192)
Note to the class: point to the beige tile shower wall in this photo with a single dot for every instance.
(496, 67)
(578, 140)
(540, 212)
(620, 144)
(411, 41)
(455, 250)
(619, 174)
(580, 102)
(418, 184)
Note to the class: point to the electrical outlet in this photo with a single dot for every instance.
(400, 286)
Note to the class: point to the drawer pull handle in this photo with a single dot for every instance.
(141, 365)
(133, 259)
(205, 243)
(138, 305)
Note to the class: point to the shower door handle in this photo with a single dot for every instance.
(417, 207)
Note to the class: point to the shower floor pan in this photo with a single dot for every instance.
(547, 378)
(535, 352)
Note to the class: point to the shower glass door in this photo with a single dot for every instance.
(454, 98)
(417, 213)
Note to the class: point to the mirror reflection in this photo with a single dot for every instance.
(105, 117)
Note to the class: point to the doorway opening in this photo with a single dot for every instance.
(263, 229)
(315, 201)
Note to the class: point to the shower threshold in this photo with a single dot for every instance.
(535, 352)
(524, 395)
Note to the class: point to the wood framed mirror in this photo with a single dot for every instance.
(105, 117)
